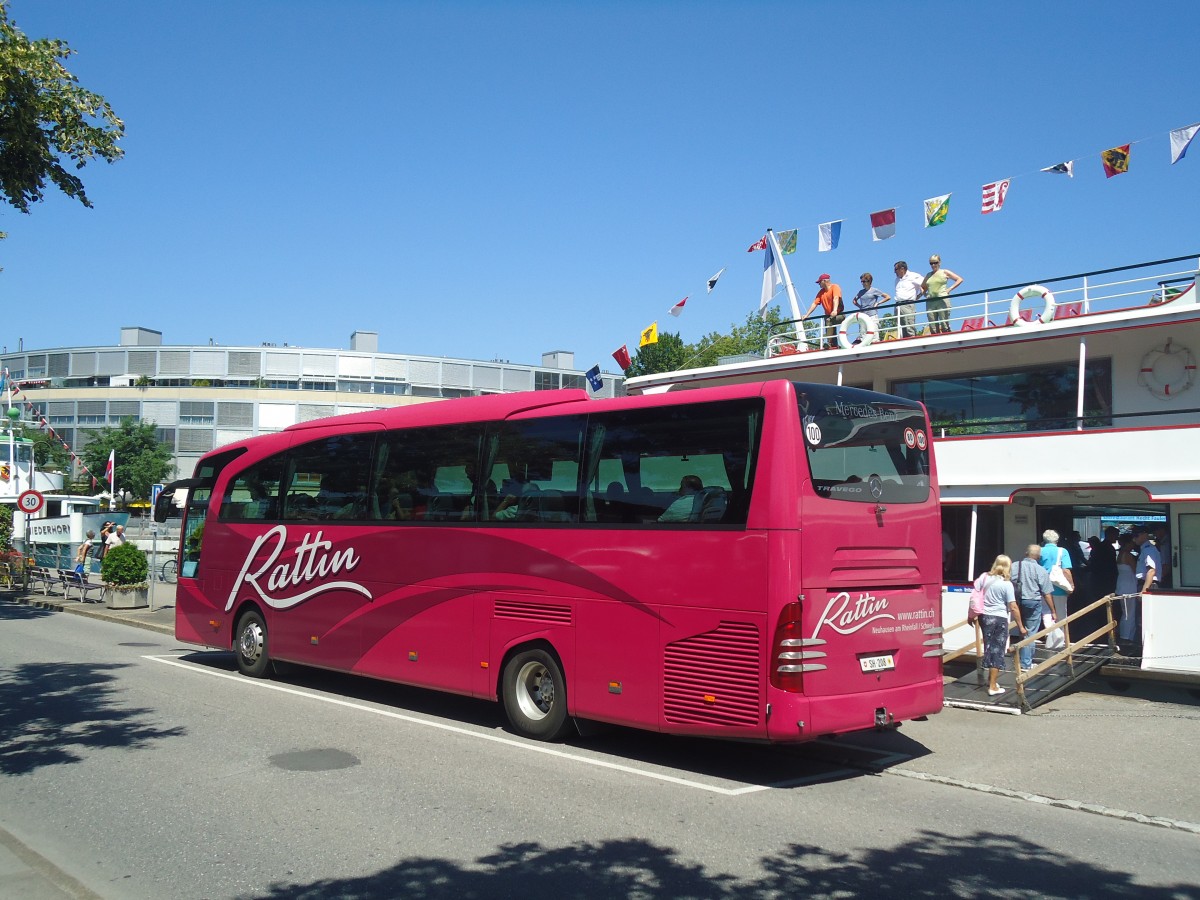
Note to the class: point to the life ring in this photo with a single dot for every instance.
(868, 330)
(1167, 372)
(1034, 290)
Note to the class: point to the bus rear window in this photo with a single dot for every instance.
(864, 447)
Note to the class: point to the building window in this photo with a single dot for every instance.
(545, 381)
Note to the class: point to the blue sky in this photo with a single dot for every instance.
(495, 180)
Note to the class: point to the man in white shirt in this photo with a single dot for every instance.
(908, 291)
(116, 538)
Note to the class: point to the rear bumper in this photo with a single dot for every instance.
(796, 717)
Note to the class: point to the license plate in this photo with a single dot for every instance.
(877, 663)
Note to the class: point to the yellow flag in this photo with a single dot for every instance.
(649, 335)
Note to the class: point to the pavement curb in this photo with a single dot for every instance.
(91, 611)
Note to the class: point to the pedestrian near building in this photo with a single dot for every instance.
(999, 603)
(1033, 589)
(116, 538)
(908, 290)
(870, 298)
(829, 297)
(1054, 555)
(937, 287)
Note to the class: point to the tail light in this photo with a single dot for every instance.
(787, 651)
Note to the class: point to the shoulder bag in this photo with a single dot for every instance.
(1058, 577)
(978, 597)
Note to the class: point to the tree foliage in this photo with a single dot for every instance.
(124, 564)
(671, 353)
(49, 453)
(47, 120)
(141, 459)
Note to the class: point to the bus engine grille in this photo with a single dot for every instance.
(551, 614)
(714, 678)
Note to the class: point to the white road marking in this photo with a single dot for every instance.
(496, 739)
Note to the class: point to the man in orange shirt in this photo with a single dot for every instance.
(830, 299)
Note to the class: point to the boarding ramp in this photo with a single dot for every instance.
(1053, 671)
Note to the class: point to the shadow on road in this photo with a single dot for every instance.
(53, 713)
(932, 865)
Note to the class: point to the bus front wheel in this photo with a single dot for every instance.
(250, 645)
(535, 695)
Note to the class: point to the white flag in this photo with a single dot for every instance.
(1180, 139)
(712, 282)
(993, 196)
(772, 278)
(828, 235)
(1064, 168)
(677, 308)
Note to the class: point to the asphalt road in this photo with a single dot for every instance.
(135, 767)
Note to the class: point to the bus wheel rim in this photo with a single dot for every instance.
(250, 644)
(535, 690)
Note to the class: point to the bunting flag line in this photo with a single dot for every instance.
(828, 235)
(1063, 168)
(678, 307)
(936, 210)
(993, 196)
(712, 282)
(649, 335)
(760, 244)
(1180, 139)
(1116, 161)
(621, 355)
(594, 379)
(787, 241)
(883, 224)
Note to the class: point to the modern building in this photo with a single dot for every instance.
(202, 396)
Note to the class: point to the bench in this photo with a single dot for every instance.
(73, 581)
(40, 575)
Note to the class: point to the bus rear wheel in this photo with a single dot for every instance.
(250, 645)
(535, 695)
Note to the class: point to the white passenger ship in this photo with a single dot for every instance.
(1069, 404)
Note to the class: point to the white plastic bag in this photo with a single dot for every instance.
(1055, 639)
(1058, 577)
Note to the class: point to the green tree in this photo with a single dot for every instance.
(48, 453)
(47, 121)
(750, 337)
(667, 355)
(6, 514)
(141, 459)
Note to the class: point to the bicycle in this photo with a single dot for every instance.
(169, 571)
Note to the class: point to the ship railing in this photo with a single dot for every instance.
(1081, 294)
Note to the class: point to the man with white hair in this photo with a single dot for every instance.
(1054, 555)
(1032, 586)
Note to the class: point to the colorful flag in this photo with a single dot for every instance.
(772, 279)
(110, 469)
(678, 307)
(936, 210)
(883, 224)
(760, 244)
(649, 335)
(621, 355)
(593, 377)
(1180, 138)
(712, 282)
(828, 235)
(787, 241)
(1064, 168)
(1116, 161)
(993, 196)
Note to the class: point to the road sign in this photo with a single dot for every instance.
(30, 501)
(155, 490)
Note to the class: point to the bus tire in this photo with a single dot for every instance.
(535, 695)
(250, 645)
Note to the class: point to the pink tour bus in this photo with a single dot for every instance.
(757, 561)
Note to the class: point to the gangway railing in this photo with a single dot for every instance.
(1069, 649)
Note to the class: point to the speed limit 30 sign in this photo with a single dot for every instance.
(30, 501)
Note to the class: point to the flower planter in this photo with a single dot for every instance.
(126, 596)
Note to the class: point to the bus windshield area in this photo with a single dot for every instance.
(864, 447)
